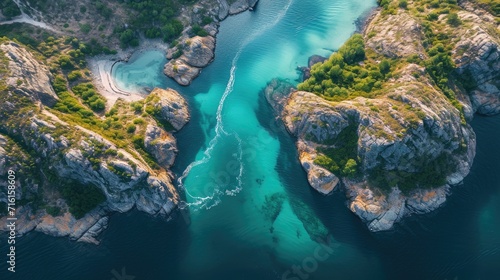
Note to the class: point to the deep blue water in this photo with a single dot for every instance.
(234, 156)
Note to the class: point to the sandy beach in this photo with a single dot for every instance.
(101, 68)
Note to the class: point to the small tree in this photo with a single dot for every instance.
(350, 168)
(403, 4)
(453, 19)
(385, 67)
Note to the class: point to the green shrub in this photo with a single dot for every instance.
(432, 173)
(353, 50)
(81, 198)
(384, 67)
(197, 30)
(432, 16)
(74, 75)
(403, 4)
(54, 211)
(139, 121)
(342, 159)
(9, 9)
(90, 96)
(85, 28)
(131, 128)
(111, 152)
(453, 19)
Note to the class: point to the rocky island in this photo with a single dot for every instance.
(386, 118)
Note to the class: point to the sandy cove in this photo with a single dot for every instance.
(101, 68)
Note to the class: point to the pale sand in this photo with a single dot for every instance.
(102, 65)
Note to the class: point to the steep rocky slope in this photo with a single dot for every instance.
(192, 53)
(409, 138)
(62, 165)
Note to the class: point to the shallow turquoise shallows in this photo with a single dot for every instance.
(247, 210)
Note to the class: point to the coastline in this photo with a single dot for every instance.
(101, 68)
(364, 20)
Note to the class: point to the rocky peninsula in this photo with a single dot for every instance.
(77, 166)
(399, 145)
(75, 169)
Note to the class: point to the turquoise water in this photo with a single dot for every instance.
(142, 71)
(248, 212)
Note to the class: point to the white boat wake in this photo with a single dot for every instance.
(212, 200)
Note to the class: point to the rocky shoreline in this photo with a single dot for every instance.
(192, 54)
(386, 134)
(145, 188)
(48, 151)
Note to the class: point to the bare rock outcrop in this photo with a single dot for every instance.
(171, 107)
(239, 6)
(198, 52)
(161, 145)
(477, 56)
(28, 76)
(399, 36)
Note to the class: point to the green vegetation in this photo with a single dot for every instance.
(123, 174)
(453, 20)
(54, 211)
(90, 96)
(156, 19)
(152, 109)
(342, 76)
(357, 71)
(81, 198)
(9, 9)
(492, 6)
(85, 28)
(197, 30)
(342, 160)
(432, 173)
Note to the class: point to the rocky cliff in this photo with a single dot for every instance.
(63, 163)
(410, 140)
(192, 53)
(198, 52)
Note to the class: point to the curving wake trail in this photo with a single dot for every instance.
(206, 202)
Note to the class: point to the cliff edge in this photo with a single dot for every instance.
(387, 115)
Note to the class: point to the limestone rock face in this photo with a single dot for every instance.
(181, 72)
(161, 145)
(27, 76)
(198, 52)
(379, 211)
(413, 124)
(318, 177)
(3, 154)
(477, 56)
(172, 107)
(78, 154)
(399, 36)
(241, 5)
